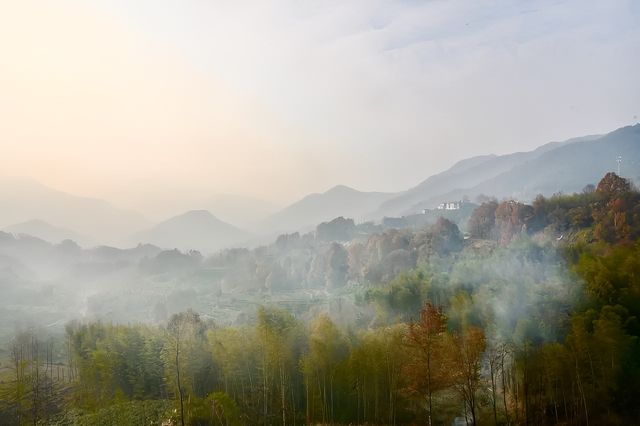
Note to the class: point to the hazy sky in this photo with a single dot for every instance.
(150, 102)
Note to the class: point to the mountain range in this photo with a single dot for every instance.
(27, 207)
(464, 174)
(23, 200)
(567, 167)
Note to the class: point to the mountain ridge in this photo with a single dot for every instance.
(463, 174)
(192, 230)
(567, 168)
(48, 232)
(314, 208)
(24, 199)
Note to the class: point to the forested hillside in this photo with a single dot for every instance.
(530, 318)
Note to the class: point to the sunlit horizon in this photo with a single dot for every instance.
(152, 104)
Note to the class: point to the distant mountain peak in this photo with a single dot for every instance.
(341, 188)
(194, 229)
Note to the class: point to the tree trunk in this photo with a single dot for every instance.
(504, 388)
(180, 396)
(493, 390)
(282, 393)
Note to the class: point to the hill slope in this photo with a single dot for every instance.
(48, 232)
(23, 199)
(464, 174)
(196, 229)
(567, 168)
(241, 211)
(316, 208)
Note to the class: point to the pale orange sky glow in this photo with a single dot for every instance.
(157, 103)
(95, 109)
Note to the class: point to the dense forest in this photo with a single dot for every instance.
(528, 315)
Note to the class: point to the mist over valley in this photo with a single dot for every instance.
(319, 213)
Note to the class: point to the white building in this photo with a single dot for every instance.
(454, 205)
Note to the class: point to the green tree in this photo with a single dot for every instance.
(183, 328)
